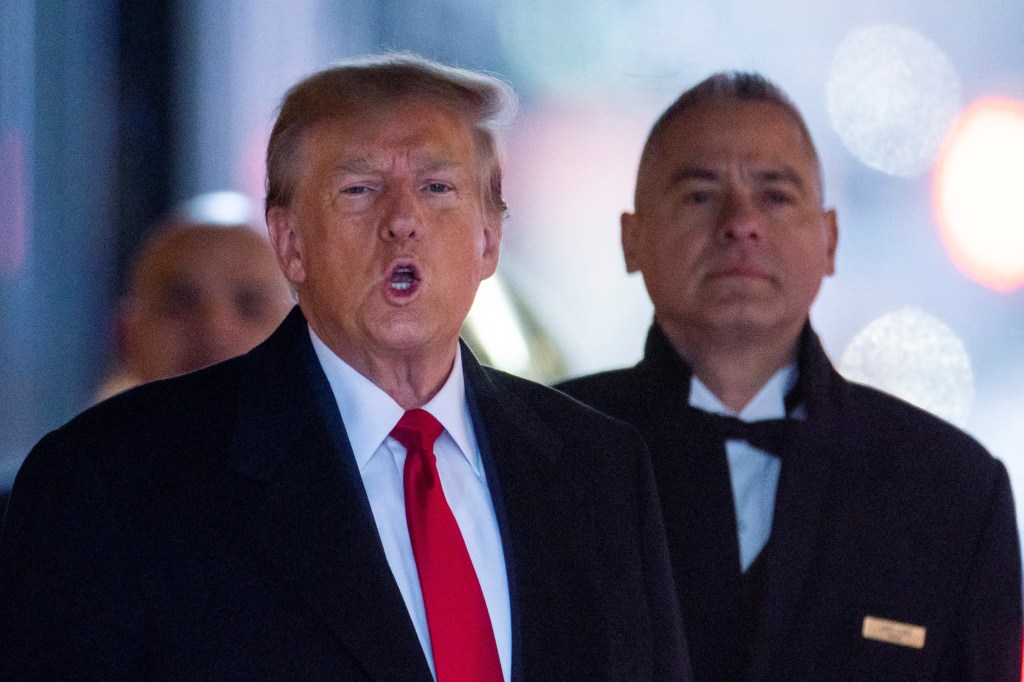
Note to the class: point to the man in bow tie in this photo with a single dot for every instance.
(819, 530)
(356, 498)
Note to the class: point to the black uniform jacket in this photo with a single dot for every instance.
(882, 512)
(215, 526)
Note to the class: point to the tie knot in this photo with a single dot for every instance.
(417, 430)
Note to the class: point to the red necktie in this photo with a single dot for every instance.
(460, 627)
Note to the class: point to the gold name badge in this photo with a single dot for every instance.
(893, 632)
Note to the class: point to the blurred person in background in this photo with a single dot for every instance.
(203, 287)
(818, 529)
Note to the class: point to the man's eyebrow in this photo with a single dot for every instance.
(692, 173)
(357, 164)
(784, 174)
(432, 164)
(426, 164)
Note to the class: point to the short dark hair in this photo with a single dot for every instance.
(353, 85)
(725, 86)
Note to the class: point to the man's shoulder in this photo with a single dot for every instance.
(910, 438)
(555, 405)
(164, 404)
(599, 383)
(148, 430)
(901, 419)
(617, 392)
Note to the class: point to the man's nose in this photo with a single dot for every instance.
(401, 219)
(740, 219)
(218, 327)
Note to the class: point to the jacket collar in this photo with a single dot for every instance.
(299, 497)
(814, 388)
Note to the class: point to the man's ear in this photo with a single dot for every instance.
(126, 328)
(832, 239)
(287, 244)
(493, 227)
(630, 241)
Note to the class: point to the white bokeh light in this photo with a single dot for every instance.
(892, 95)
(916, 357)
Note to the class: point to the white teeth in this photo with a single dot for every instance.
(403, 278)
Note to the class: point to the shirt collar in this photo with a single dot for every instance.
(767, 403)
(369, 413)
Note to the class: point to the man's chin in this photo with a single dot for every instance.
(754, 325)
(744, 317)
(415, 339)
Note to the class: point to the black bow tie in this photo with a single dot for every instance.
(770, 435)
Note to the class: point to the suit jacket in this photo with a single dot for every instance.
(215, 526)
(882, 510)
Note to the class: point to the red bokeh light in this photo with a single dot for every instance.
(978, 183)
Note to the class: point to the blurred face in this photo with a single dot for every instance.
(203, 295)
(387, 237)
(729, 232)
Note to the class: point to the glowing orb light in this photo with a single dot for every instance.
(892, 95)
(978, 186)
(916, 357)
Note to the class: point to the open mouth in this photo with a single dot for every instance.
(403, 279)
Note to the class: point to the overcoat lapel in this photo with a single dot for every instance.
(518, 451)
(299, 495)
(799, 511)
(693, 481)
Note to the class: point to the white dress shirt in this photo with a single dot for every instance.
(754, 473)
(369, 414)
